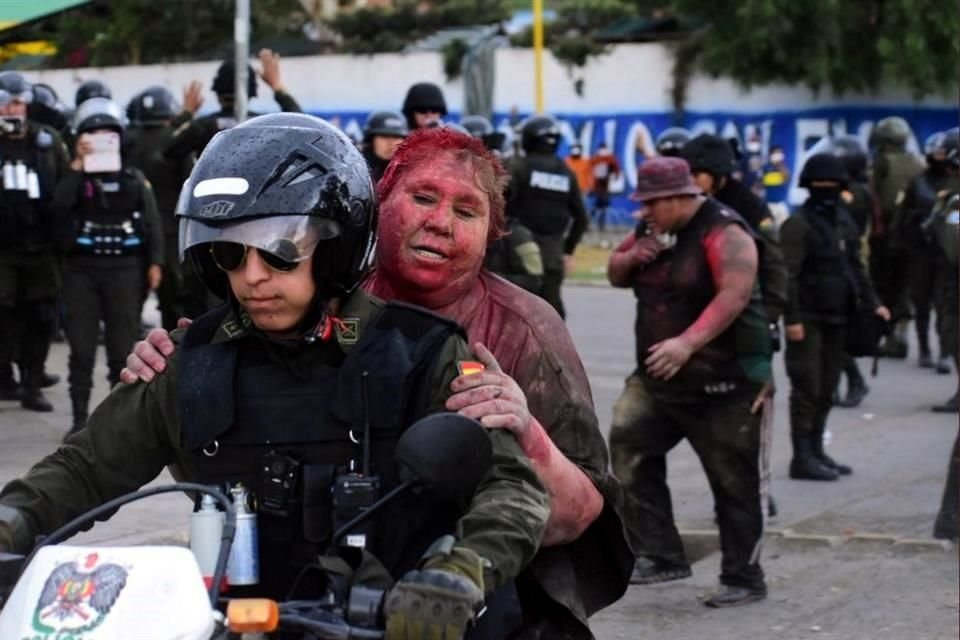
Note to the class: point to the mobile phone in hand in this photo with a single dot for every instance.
(105, 156)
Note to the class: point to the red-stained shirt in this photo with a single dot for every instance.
(533, 346)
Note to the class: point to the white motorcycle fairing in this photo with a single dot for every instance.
(109, 593)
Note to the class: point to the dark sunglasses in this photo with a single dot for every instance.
(229, 256)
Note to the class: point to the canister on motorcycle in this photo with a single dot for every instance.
(206, 528)
(243, 566)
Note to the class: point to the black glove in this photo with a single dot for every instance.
(441, 599)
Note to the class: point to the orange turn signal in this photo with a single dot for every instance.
(251, 615)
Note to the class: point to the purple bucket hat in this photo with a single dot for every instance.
(664, 177)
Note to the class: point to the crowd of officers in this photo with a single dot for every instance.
(707, 259)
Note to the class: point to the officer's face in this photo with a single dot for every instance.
(14, 107)
(704, 180)
(433, 231)
(275, 300)
(426, 117)
(385, 146)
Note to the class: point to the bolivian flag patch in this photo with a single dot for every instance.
(469, 367)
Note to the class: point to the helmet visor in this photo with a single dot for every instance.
(291, 238)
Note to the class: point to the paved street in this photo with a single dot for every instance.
(851, 559)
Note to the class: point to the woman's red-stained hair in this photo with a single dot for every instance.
(424, 144)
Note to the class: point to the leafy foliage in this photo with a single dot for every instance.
(830, 44)
(122, 32)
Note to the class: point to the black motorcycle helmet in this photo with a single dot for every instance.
(825, 167)
(423, 95)
(385, 123)
(91, 89)
(852, 154)
(153, 106)
(45, 95)
(46, 107)
(671, 141)
(288, 183)
(539, 134)
(710, 154)
(224, 81)
(98, 113)
(14, 85)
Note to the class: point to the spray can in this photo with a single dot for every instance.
(33, 185)
(9, 179)
(243, 567)
(20, 176)
(206, 527)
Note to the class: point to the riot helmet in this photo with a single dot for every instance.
(709, 154)
(13, 86)
(423, 96)
(951, 146)
(98, 113)
(153, 106)
(480, 127)
(225, 80)
(824, 167)
(852, 154)
(385, 123)
(45, 95)
(91, 89)
(540, 134)
(671, 141)
(291, 185)
(891, 132)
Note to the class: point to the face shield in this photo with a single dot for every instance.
(291, 239)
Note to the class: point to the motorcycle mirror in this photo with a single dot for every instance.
(447, 453)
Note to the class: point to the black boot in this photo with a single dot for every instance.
(947, 524)
(943, 365)
(48, 380)
(857, 390)
(895, 346)
(805, 465)
(33, 399)
(80, 399)
(816, 445)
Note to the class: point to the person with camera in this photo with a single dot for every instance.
(33, 159)
(154, 116)
(292, 365)
(827, 289)
(109, 233)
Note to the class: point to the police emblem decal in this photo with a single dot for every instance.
(78, 596)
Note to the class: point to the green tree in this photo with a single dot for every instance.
(122, 32)
(839, 45)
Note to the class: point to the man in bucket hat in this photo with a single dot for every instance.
(703, 373)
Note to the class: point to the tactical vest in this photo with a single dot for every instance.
(238, 406)
(143, 149)
(826, 283)
(24, 218)
(540, 192)
(108, 219)
(672, 292)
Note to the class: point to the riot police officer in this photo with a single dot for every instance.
(671, 140)
(893, 169)
(154, 115)
(713, 163)
(382, 134)
(859, 202)
(544, 196)
(107, 228)
(918, 200)
(278, 375)
(34, 159)
(192, 138)
(47, 109)
(424, 105)
(826, 280)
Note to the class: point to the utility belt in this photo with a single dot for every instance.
(110, 239)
